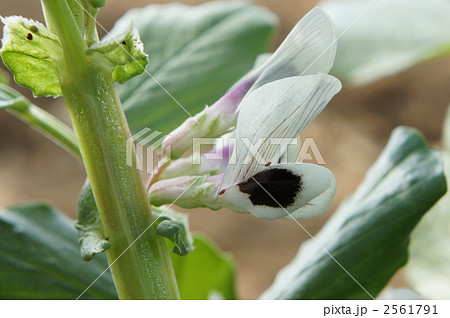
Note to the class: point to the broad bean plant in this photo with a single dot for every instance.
(144, 87)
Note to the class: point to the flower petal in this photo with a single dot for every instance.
(309, 48)
(278, 110)
(212, 122)
(211, 162)
(289, 191)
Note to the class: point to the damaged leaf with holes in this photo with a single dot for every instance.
(30, 51)
(125, 54)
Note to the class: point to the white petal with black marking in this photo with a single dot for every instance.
(299, 190)
(280, 109)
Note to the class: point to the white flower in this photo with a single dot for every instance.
(309, 48)
(288, 91)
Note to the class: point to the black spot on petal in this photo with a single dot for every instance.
(282, 185)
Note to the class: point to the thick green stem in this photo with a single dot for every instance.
(141, 265)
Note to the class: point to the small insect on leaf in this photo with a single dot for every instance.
(30, 36)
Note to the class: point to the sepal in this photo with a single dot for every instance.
(187, 192)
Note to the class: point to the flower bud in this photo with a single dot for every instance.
(187, 192)
(212, 122)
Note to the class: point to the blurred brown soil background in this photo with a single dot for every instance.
(350, 133)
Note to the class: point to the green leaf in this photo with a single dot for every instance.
(89, 225)
(125, 53)
(30, 52)
(205, 273)
(39, 257)
(369, 234)
(428, 269)
(196, 54)
(391, 36)
(175, 227)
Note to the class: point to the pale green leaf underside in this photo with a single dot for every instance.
(428, 269)
(369, 234)
(196, 54)
(399, 294)
(30, 51)
(391, 36)
(40, 258)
